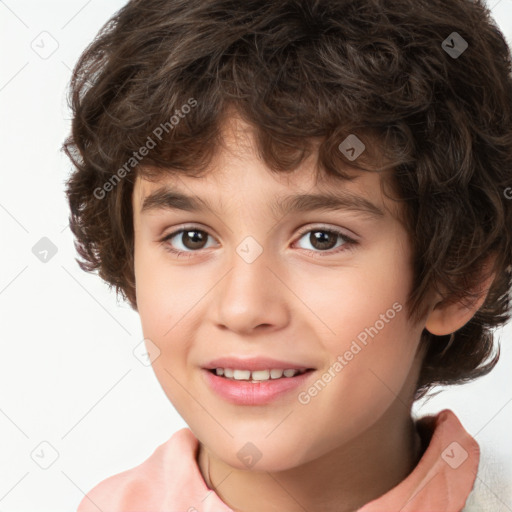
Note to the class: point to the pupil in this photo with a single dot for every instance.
(322, 239)
(194, 239)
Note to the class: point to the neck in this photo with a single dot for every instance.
(342, 480)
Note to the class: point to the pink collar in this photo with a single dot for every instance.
(445, 474)
(170, 479)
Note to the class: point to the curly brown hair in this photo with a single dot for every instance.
(312, 70)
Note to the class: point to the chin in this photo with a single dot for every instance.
(259, 455)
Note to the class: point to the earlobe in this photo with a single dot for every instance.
(445, 319)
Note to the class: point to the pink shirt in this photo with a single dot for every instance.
(170, 479)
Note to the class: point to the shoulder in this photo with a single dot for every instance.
(143, 485)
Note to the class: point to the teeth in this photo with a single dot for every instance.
(256, 375)
(261, 375)
(242, 374)
(276, 374)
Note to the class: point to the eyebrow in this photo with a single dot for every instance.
(165, 198)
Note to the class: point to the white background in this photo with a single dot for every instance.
(68, 376)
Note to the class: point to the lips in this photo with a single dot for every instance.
(255, 392)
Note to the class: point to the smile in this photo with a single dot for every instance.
(257, 375)
(258, 387)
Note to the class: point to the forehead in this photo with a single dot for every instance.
(236, 173)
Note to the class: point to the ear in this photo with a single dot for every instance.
(445, 319)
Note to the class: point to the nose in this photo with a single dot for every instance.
(253, 295)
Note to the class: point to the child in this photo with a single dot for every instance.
(214, 141)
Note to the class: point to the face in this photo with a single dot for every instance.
(262, 288)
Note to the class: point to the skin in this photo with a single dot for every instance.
(355, 440)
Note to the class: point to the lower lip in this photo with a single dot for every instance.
(258, 393)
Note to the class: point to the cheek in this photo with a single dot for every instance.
(164, 293)
(150, 292)
(363, 300)
(368, 329)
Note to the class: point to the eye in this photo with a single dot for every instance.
(324, 239)
(192, 239)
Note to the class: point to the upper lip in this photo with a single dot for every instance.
(254, 363)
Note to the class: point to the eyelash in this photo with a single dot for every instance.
(348, 244)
